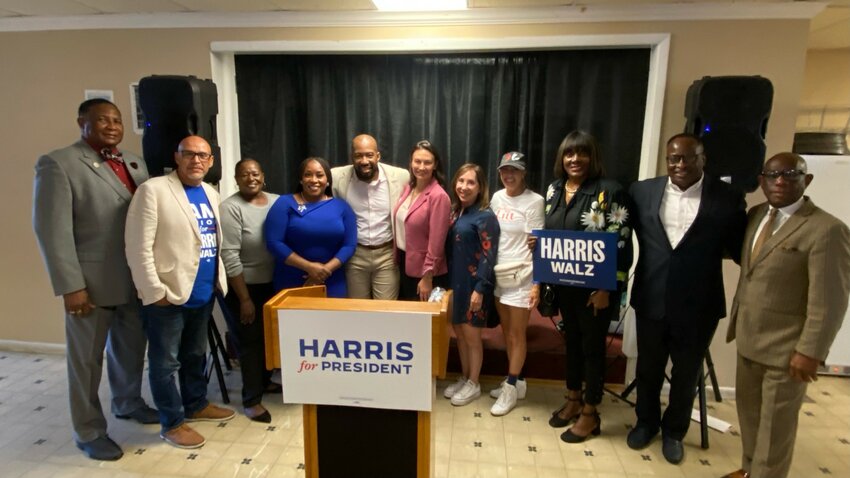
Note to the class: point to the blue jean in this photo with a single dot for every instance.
(177, 345)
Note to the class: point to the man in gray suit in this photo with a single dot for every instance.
(372, 190)
(80, 203)
(791, 300)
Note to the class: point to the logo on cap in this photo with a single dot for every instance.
(513, 159)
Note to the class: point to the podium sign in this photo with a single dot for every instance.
(576, 258)
(333, 358)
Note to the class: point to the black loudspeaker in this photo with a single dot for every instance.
(175, 107)
(730, 114)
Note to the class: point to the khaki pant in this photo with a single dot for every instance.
(769, 402)
(372, 274)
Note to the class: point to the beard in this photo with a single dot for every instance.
(366, 172)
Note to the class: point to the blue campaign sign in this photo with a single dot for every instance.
(576, 258)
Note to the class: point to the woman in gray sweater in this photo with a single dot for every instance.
(249, 273)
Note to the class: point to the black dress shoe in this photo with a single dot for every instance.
(102, 448)
(640, 437)
(570, 437)
(557, 422)
(673, 450)
(144, 415)
(264, 417)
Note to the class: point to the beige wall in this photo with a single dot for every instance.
(826, 84)
(45, 74)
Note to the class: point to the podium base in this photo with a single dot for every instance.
(354, 441)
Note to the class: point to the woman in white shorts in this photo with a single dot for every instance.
(519, 210)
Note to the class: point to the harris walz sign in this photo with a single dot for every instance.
(576, 258)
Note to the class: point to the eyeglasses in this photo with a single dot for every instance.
(423, 144)
(788, 174)
(188, 155)
(367, 155)
(674, 159)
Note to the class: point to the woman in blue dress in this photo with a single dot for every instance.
(472, 242)
(310, 233)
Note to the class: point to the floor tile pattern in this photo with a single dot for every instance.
(35, 438)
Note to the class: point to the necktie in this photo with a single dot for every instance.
(765, 234)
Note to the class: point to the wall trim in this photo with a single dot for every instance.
(32, 347)
(369, 18)
(222, 55)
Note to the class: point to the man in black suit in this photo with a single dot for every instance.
(686, 223)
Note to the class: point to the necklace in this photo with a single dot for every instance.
(302, 206)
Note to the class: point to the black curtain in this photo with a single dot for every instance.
(472, 106)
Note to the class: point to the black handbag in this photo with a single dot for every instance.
(548, 304)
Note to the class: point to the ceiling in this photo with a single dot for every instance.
(830, 29)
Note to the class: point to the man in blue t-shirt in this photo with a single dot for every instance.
(172, 239)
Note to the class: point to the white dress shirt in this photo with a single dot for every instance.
(782, 215)
(400, 216)
(371, 205)
(679, 209)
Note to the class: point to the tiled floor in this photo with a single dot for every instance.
(35, 438)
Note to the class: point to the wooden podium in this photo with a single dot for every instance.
(345, 441)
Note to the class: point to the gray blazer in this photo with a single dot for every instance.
(79, 209)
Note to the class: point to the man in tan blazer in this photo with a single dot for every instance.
(790, 302)
(173, 241)
(372, 190)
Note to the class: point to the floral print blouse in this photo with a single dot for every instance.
(600, 205)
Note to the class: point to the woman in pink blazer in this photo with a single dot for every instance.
(421, 223)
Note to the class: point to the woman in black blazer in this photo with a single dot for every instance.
(581, 198)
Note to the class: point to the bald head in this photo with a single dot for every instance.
(194, 159)
(787, 158)
(365, 157)
(784, 179)
(364, 140)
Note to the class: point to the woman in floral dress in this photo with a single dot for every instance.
(582, 199)
(472, 245)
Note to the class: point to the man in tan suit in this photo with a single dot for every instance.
(791, 300)
(372, 190)
(173, 241)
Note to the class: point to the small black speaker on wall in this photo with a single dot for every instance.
(730, 114)
(176, 107)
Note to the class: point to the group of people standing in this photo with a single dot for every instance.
(372, 230)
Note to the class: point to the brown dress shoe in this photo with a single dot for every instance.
(737, 474)
(183, 436)
(212, 413)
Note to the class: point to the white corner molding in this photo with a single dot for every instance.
(222, 55)
(480, 16)
(443, 45)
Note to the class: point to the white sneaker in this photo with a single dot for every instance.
(506, 401)
(469, 392)
(521, 389)
(453, 388)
